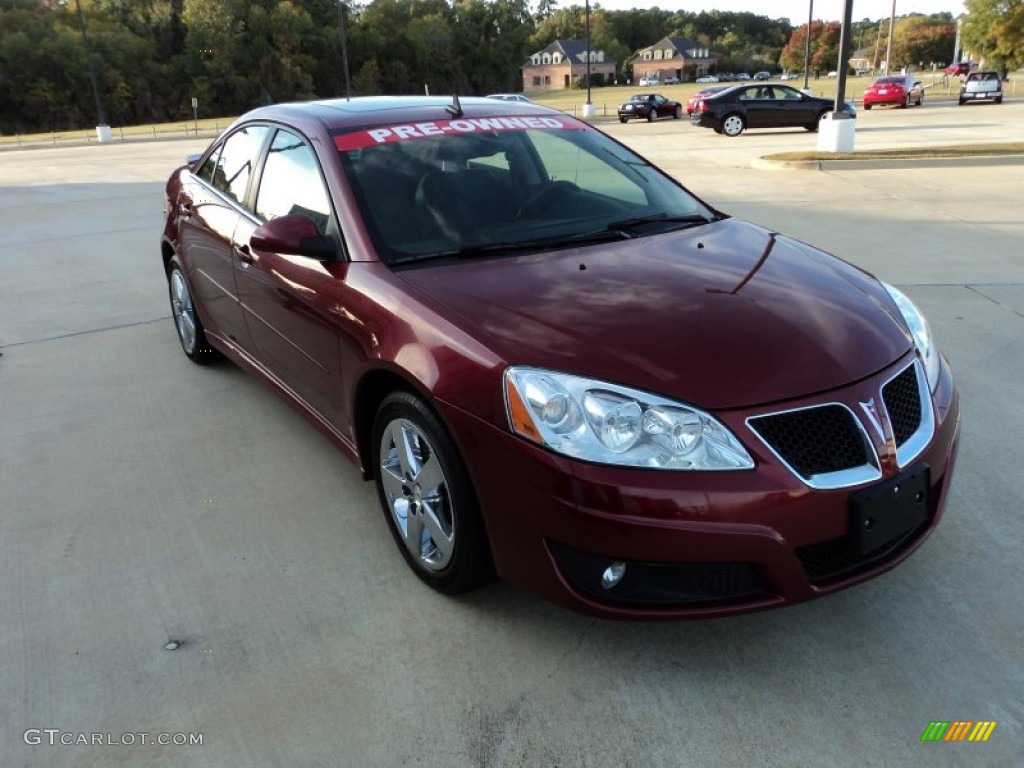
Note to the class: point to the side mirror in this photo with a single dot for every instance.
(295, 234)
(193, 158)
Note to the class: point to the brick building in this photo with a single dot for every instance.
(558, 65)
(673, 57)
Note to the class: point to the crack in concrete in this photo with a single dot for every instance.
(85, 333)
(974, 289)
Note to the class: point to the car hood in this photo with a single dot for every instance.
(727, 315)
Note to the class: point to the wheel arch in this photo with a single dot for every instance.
(375, 385)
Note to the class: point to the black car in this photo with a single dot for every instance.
(760, 106)
(649, 106)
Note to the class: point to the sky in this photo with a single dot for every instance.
(795, 10)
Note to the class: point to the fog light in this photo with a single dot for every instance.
(612, 575)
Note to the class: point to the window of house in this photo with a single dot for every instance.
(536, 81)
(556, 58)
(547, 79)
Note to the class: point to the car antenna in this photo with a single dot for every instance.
(455, 108)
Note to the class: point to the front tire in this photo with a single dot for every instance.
(732, 125)
(678, 113)
(652, 116)
(191, 332)
(623, 119)
(427, 498)
(906, 102)
(867, 107)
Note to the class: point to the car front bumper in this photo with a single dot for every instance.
(694, 544)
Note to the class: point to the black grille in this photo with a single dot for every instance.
(815, 440)
(835, 558)
(903, 403)
(661, 583)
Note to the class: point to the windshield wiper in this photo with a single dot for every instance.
(683, 221)
(544, 244)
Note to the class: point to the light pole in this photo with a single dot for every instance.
(588, 108)
(103, 133)
(344, 48)
(807, 45)
(956, 44)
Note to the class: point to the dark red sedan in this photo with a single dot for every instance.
(556, 363)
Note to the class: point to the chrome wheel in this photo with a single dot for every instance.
(417, 494)
(184, 312)
(732, 125)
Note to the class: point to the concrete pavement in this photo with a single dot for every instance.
(145, 501)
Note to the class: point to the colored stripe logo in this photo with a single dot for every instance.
(958, 730)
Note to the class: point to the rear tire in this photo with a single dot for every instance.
(623, 119)
(733, 125)
(999, 100)
(191, 333)
(867, 107)
(906, 102)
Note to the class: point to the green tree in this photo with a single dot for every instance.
(994, 30)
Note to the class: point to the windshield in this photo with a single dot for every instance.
(467, 186)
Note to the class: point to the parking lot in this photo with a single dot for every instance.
(180, 554)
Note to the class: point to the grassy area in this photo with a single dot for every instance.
(607, 99)
(959, 150)
(206, 127)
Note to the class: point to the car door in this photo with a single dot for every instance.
(290, 301)
(758, 106)
(209, 210)
(792, 108)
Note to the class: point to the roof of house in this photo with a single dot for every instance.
(679, 45)
(570, 49)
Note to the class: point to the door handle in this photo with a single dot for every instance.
(244, 254)
(185, 209)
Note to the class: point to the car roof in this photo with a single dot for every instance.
(339, 114)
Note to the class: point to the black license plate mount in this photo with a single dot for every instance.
(886, 511)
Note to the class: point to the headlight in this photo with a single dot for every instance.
(609, 424)
(920, 332)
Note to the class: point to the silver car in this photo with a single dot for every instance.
(982, 85)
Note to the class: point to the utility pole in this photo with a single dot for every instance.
(878, 40)
(888, 44)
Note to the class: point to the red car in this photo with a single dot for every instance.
(903, 90)
(961, 68)
(703, 93)
(556, 363)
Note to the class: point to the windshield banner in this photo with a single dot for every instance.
(392, 133)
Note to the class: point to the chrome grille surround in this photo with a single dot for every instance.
(844, 477)
(917, 441)
(898, 412)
